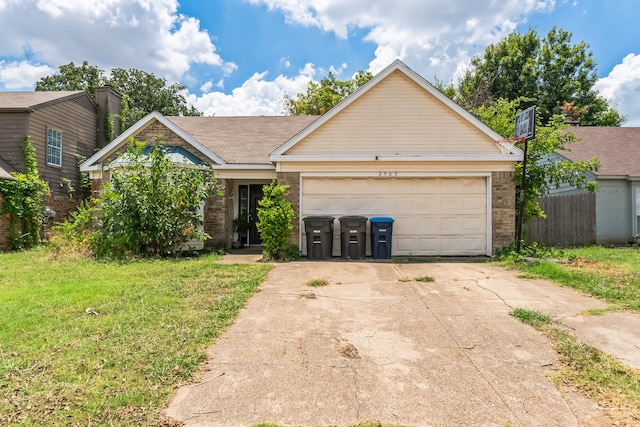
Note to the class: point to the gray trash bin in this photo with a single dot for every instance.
(319, 231)
(381, 232)
(353, 237)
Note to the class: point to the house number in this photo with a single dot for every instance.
(388, 174)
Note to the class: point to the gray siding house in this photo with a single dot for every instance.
(614, 210)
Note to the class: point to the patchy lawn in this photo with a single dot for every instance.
(103, 343)
(612, 274)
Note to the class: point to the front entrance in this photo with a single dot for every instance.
(249, 197)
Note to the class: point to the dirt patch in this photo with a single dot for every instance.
(614, 271)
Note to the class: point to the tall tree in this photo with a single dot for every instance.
(547, 72)
(142, 92)
(320, 98)
(543, 173)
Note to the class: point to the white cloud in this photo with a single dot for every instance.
(142, 34)
(22, 75)
(622, 88)
(432, 37)
(257, 96)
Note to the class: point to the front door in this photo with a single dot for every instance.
(255, 194)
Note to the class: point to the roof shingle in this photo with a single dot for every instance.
(617, 148)
(243, 140)
(26, 100)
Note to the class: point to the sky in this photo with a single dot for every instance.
(241, 57)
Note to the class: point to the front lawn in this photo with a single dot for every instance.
(612, 274)
(104, 343)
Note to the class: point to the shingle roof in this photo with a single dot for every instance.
(26, 100)
(617, 148)
(243, 140)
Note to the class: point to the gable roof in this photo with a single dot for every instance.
(243, 140)
(26, 101)
(225, 141)
(397, 66)
(617, 148)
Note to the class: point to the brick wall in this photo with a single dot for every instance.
(504, 209)
(4, 229)
(218, 211)
(292, 179)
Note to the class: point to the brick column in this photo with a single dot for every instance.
(216, 218)
(503, 213)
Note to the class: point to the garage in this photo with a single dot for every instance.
(433, 215)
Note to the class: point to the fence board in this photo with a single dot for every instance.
(571, 221)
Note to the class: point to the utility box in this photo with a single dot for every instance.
(353, 237)
(319, 230)
(381, 233)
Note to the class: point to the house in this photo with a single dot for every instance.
(396, 147)
(612, 214)
(62, 125)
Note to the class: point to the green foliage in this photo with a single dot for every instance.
(317, 283)
(275, 216)
(75, 235)
(84, 180)
(67, 185)
(320, 98)
(547, 72)
(543, 172)
(534, 250)
(151, 206)
(142, 92)
(23, 201)
(534, 318)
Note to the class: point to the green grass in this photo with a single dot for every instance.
(316, 283)
(62, 365)
(597, 375)
(612, 274)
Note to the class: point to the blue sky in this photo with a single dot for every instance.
(240, 57)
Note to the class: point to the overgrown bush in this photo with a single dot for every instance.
(529, 250)
(151, 205)
(23, 201)
(275, 216)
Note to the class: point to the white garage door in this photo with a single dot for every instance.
(433, 216)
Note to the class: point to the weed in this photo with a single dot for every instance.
(531, 317)
(316, 283)
(425, 279)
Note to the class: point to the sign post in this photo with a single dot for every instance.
(525, 129)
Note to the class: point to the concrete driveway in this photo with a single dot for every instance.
(375, 344)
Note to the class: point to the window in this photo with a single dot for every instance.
(54, 147)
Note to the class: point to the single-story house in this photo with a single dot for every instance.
(397, 147)
(612, 214)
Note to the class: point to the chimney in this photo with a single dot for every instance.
(109, 103)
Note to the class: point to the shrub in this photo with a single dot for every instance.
(275, 216)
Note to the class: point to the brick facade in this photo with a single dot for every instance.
(292, 179)
(218, 211)
(4, 229)
(503, 209)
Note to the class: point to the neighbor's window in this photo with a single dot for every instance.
(54, 147)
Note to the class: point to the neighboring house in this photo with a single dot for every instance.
(5, 173)
(62, 126)
(612, 214)
(396, 147)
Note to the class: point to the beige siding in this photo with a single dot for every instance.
(396, 117)
(383, 168)
(79, 132)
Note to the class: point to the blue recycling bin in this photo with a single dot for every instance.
(381, 233)
(319, 230)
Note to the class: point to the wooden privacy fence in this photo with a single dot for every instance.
(571, 221)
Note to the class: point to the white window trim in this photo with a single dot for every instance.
(60, 148)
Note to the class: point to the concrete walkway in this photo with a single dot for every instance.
(375, 344)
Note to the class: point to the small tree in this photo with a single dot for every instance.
(151, 206)
(23, 201)
(275, 216)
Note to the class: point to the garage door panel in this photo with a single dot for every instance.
(433, 216)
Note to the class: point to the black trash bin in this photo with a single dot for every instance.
(319, 231)
(381, 231)
(353, 237)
